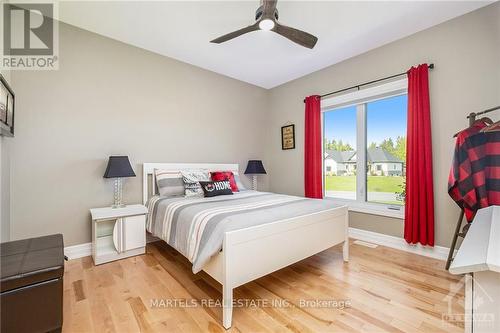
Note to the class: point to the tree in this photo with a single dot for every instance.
(401, 196)
(372, 145)
(388, 145)
(338, 146)
(400, 149)
(347, 147)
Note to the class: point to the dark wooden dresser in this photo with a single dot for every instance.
(32, 285)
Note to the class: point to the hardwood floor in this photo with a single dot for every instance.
(384, 290)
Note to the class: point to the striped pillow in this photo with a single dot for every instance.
(169, 183)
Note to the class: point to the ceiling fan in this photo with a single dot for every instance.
(266, 18)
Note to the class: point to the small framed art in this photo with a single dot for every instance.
(6, 108)
(288, 137)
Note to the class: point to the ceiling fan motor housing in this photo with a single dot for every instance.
(258, 13)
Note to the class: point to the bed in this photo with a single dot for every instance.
(239, 238)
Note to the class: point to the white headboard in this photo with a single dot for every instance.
(148, 176)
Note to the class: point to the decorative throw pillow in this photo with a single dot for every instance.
(240, 185)
(169, 183)
(214, 188)
(191, 178)
(225, 175)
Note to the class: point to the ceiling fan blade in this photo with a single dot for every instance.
(269, 8)
(235, 34)
(298, 36)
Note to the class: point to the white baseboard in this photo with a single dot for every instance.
(85, 249)
(437, 252)
(78, 251)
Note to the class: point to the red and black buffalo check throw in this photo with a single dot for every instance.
(474, 180)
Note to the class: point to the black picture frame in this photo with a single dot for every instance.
(7, 110)
(288, 137)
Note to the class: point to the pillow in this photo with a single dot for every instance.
(214, 188)
(240, 185)
(191, 178)
(169, 183)
(225, 175)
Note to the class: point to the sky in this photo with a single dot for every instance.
(386, 118)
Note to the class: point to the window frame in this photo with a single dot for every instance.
(359, 98)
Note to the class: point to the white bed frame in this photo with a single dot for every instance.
(251, 253)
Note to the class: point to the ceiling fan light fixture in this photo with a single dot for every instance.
(266, 18)
(266, 24)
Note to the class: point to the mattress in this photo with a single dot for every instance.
(196, 226)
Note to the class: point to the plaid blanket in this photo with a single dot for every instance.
(474, 180)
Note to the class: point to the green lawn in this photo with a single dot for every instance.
(375, 183)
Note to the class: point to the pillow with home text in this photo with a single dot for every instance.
(215, 188)
(225, 175)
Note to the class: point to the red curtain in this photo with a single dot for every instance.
(419, 209)
(313, 182)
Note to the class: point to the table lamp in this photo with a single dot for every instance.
(118, 168)
(254, 168)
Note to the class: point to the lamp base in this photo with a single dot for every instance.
(118, 194)
(254, 182)
(118, 206)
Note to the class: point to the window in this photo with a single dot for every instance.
(366, 130)
(339, 150)
(386, 138)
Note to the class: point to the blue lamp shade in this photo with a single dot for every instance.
(255, 167)
(118, 167)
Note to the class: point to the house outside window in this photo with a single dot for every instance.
(366, 130)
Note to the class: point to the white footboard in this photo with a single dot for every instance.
(257, 251)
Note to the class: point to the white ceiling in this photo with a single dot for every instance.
(182, 30)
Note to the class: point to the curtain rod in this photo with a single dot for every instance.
(474, 114)
(431, 66)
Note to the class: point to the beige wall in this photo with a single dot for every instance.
(466, 52)
(111, 98)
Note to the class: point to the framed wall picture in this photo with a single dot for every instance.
(6, 108)
(288, 137)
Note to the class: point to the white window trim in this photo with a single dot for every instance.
(360, 158)
(365, 95)
(360, 98)
(370, 208)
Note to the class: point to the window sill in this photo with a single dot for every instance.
(372, 209)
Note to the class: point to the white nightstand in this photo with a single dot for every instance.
(118, 233)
